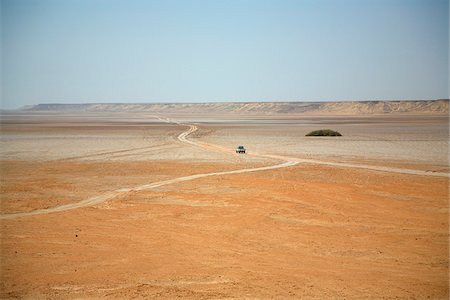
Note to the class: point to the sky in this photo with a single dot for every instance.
(81, 51)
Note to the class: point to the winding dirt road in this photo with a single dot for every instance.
(182, 137)
(193, 128)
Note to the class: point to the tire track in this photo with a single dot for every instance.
(113, 153)
(193, 128)
(358, 166)
(182, 137)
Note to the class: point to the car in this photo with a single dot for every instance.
(240, 149)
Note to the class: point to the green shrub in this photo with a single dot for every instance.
(324, 132)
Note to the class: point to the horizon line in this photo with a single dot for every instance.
(232, 102)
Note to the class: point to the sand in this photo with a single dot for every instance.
(304, 231)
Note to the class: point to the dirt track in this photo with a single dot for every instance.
(209, 146)
(290, 161)
(110, 195)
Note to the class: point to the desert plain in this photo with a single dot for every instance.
(104, 205)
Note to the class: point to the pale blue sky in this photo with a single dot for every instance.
(77, 51)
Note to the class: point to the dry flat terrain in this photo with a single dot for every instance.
(121, 205)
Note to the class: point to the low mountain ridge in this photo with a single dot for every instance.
(346, 107)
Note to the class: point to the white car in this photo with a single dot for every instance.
(240, 149)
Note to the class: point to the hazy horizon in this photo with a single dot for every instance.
(218, 102)
(236, 51)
